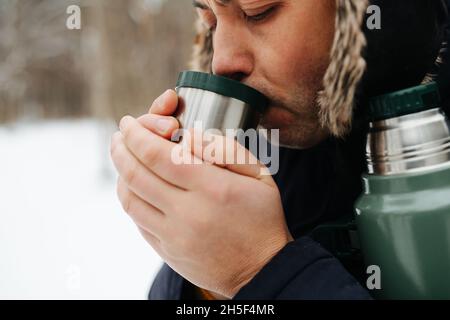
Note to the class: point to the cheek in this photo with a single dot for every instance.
(298, 59)
(300, 47)
(294, 63)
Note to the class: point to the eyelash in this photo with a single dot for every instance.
(260, 17)
(253, 19)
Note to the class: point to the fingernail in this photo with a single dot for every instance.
(124, 122)
(163, 125)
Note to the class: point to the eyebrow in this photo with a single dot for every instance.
(203, 6)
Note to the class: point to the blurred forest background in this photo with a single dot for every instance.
(125, 55)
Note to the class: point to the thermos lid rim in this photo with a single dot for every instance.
(223, 86)
(404, 102)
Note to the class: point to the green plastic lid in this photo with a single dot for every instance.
(404, 102)
(223, 86)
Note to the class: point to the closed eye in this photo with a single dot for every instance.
(209, 19)
(261, 16)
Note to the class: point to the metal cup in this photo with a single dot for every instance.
(214, 102)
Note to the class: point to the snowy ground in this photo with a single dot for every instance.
(63, 234)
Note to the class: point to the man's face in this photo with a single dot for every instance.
(281, 48)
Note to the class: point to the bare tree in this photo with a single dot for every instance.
(126, 54)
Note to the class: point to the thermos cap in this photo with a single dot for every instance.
(224, 86)
(403, 102)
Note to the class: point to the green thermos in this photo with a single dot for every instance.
(403, 216)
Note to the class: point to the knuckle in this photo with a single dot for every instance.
(151, 156)
(114, 142)
(124, 197)
(130, 174)
(127, 131)
(221, 192)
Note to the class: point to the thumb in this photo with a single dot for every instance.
(166, 104)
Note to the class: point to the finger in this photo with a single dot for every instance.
(139, 179)
(162, 157)
(164, 126)
(228, 153)
(166, 104)
(143, 214)
(154, 242)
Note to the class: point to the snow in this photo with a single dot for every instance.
(63, 233)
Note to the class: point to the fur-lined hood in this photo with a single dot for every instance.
(365, 62)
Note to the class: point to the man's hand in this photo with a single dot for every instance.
(216, 225)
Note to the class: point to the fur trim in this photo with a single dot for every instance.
(432, 76)
(443, 55)
(203, 49)
(346, 68)
(343, 75)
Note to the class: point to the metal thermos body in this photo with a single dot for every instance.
(403, 216)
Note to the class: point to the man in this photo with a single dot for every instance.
(227, 232)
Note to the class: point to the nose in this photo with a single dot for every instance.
(232, 54)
